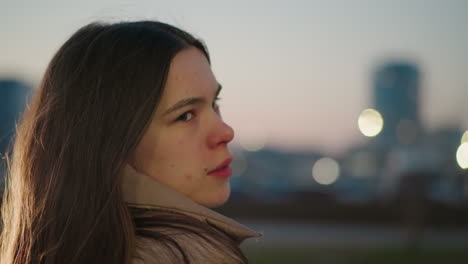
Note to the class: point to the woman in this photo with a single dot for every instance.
(120, 153)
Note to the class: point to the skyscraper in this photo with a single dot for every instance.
(13, 98)
(396, 97)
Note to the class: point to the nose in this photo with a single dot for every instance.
(222, 134)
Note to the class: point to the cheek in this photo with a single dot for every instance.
(173, 154)
(147, 156)
(143, 155)
(170, 159)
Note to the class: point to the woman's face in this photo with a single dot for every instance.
(187, 139)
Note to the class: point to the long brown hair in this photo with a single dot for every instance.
(63, 201)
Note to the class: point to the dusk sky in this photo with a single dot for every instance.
(295, 74)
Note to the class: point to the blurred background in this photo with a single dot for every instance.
(350, 116)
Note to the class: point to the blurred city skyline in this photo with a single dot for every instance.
(296, 74)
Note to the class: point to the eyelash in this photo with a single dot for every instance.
(215, 106)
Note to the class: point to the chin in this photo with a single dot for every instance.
(217, 199)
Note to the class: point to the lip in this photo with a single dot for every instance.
(223, 170)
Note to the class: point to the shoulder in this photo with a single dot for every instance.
(173, 235)
(181, 247)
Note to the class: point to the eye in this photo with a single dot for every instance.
(215, 104)
(185, 117)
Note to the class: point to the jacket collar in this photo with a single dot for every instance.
(140, 190)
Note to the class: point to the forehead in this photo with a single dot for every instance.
(189, 75)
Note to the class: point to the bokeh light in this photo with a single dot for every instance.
(325, 171)
(464, 138)
(370, 122)
(252, 145)
(462, 155)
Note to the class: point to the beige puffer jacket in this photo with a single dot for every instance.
(142, 191)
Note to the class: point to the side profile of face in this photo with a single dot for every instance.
(186, 141)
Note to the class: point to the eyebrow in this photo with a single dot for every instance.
(189, 101)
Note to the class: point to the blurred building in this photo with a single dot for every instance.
(13, 98)
(396, 91)
(402, 158)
